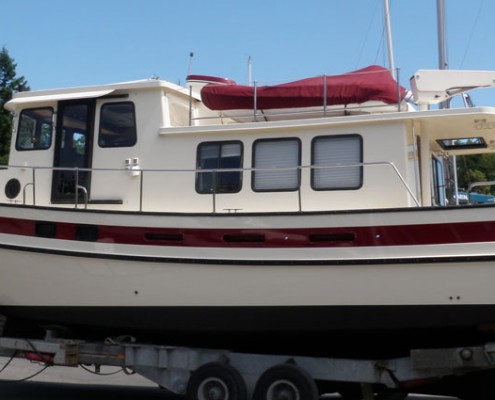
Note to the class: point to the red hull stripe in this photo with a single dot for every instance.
(403, 235)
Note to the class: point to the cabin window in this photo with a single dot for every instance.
(276, 164)
(463, 143)
(222, 161)
(117, 125)
(439, 184)
(35, 129)
(338, 162)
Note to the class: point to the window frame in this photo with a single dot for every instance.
(297, 169)
(313, 170)
(463, 143)
(114, 103)
(18, 147)
(220, 143)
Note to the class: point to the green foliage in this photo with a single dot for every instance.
(476, 168)
(9, 83)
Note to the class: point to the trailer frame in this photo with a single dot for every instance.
(173, 367)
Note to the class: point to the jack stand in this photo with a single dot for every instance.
(3, 321)
(54, 332)
(367, 391)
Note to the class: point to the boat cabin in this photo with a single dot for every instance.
(155, 146)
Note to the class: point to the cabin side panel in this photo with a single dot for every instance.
(377, 179)
(31, 155)
(124, 129)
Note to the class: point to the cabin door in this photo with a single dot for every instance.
(73, 142)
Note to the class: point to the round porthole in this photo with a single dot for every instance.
(12, 188)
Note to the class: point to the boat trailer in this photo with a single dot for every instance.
(224, 375)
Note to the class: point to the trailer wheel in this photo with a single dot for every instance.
(285, 382)
(216, 381)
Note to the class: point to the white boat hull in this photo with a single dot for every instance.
(110, 279)
(219, 295)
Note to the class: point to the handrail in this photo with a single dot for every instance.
(216, 171)
(476, 184)
(24, 191)
(480, 183)
(324, 110)
(85, 191)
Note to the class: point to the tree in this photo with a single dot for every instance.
(9, 83)
(476, 168)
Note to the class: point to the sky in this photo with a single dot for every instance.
(68, 43)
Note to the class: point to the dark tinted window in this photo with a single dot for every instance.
(35, 129)
(219, 156)
(117, 125)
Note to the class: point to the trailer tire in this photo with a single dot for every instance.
(285, 382)
(216, 381)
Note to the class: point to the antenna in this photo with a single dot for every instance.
(191, 56)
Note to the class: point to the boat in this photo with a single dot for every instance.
(134, 209)
(370, 87)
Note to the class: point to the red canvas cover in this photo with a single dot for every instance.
(370, 83)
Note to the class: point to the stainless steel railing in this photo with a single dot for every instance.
(323, 108)
(143, 194)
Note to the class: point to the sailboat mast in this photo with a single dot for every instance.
(443, 64)
(250, 71)
(389, 37)
(442, 52)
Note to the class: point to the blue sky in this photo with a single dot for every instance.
(65, 43)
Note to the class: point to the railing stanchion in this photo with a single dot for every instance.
(34, 186)
(76, 194)
(24, 192)
(85, 191)
(299, 190)
(190, 105)
(214, 187)
(255, 100)
(141, 179)
(325, 95)
(398, 89)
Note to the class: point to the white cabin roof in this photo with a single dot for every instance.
(20, 99)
